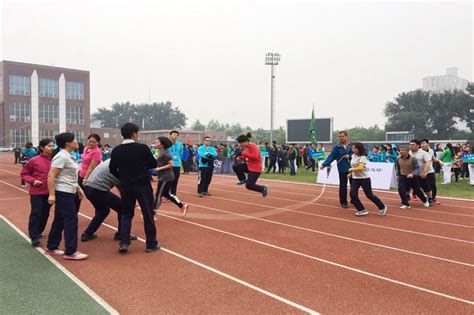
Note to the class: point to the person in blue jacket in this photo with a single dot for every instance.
(185, 160)
(206, 156)
(176, 151)
(341, 153)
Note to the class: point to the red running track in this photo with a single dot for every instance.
(286, 253)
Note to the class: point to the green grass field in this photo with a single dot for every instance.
(455, 189)
(31, 284)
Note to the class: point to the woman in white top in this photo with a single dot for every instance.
(360, 178)
(63, 190)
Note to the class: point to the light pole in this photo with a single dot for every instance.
(272, 59)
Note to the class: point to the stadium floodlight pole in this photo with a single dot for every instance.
(272, 59)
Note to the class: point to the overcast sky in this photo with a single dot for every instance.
(207, 57)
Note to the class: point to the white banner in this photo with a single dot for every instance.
(471, 173)
(382, 175)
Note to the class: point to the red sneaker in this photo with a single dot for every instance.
(76, 256)
(184, 209)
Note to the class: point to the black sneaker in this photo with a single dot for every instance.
(123, 248)
(117, 237)
(241, 182)
(265, 191)
(86, 237)
(153, 249)
(35, 243)
(344, 206)
(200, 195)
(207, 194)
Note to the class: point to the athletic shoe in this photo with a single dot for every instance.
(200, 195)
(86, 237)
(184, 209)
(54, 252)
(383, 211)
(76, 256)
(241, 182)
(153, 249)
(431, 203)
(362, 213)
(123, 248)
(24, 186)
(426, 204)
(35, 243)
(164, 200)
(414, 197)
(344, 206)
(265, 191)
(207, 194)
(117, 237)
(405, 207)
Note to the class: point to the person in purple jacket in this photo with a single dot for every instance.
(35, 172)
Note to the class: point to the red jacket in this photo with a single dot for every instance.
(37, 168)
(253, 157)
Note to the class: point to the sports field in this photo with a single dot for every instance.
(295, 251)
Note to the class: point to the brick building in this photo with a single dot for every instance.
(38, 101)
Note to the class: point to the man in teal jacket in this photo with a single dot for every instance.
(206, 156)
(176, 151)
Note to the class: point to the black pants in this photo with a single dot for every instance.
(240, 169)
(102, 201)
(430, 177)
(298, 161)
(281, 166)
(204, 179)
(457, 171)
(77, 201)
(367, 187)
(39, 215)
(163, 190)
(465, 170)
(144, 195)
(17, 159)
(404, 186)
(272, 166)
(343, 187)
(23, 183)
(65, 218)
(174, 183)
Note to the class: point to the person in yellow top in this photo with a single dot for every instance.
(360, 178)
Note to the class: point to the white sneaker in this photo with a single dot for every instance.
(383, 211)
(362, 213)
(426, 204)
(55, 252)
(76, 256)
(405, 207)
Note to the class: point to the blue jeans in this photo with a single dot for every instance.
(39, 215)
(65, 218)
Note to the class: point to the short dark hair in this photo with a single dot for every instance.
(207, 137)
(128, 129)
(28, 145)
(415, 141)
(165, 142)
(95, 136)
(174, 131)
(361, 147)
(63, 138)
(425, 140)
(43, 143)
(343, 132)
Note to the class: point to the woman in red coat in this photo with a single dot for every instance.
(253, 166)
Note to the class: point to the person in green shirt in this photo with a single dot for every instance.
(447, 158)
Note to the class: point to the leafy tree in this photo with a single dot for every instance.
(197, 126)
(373, 133)
(214, 125)
(148, 116)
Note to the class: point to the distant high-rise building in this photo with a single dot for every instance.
(38, 101)
(447, 82)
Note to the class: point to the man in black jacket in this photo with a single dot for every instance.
(130, 162)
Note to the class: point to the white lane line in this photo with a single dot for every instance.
(311, 202)
(223, 274)
(12, 198)
(451, 297)
(71, 276)
(344, 220)
(337, 236)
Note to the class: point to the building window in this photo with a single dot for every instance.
(75, 115)
(106, 135)
(48, 113)
(48, 88)
(20, 136)
(50, 134)
(20, 112)
(79, 136)
(75, 91)
(19, 85)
